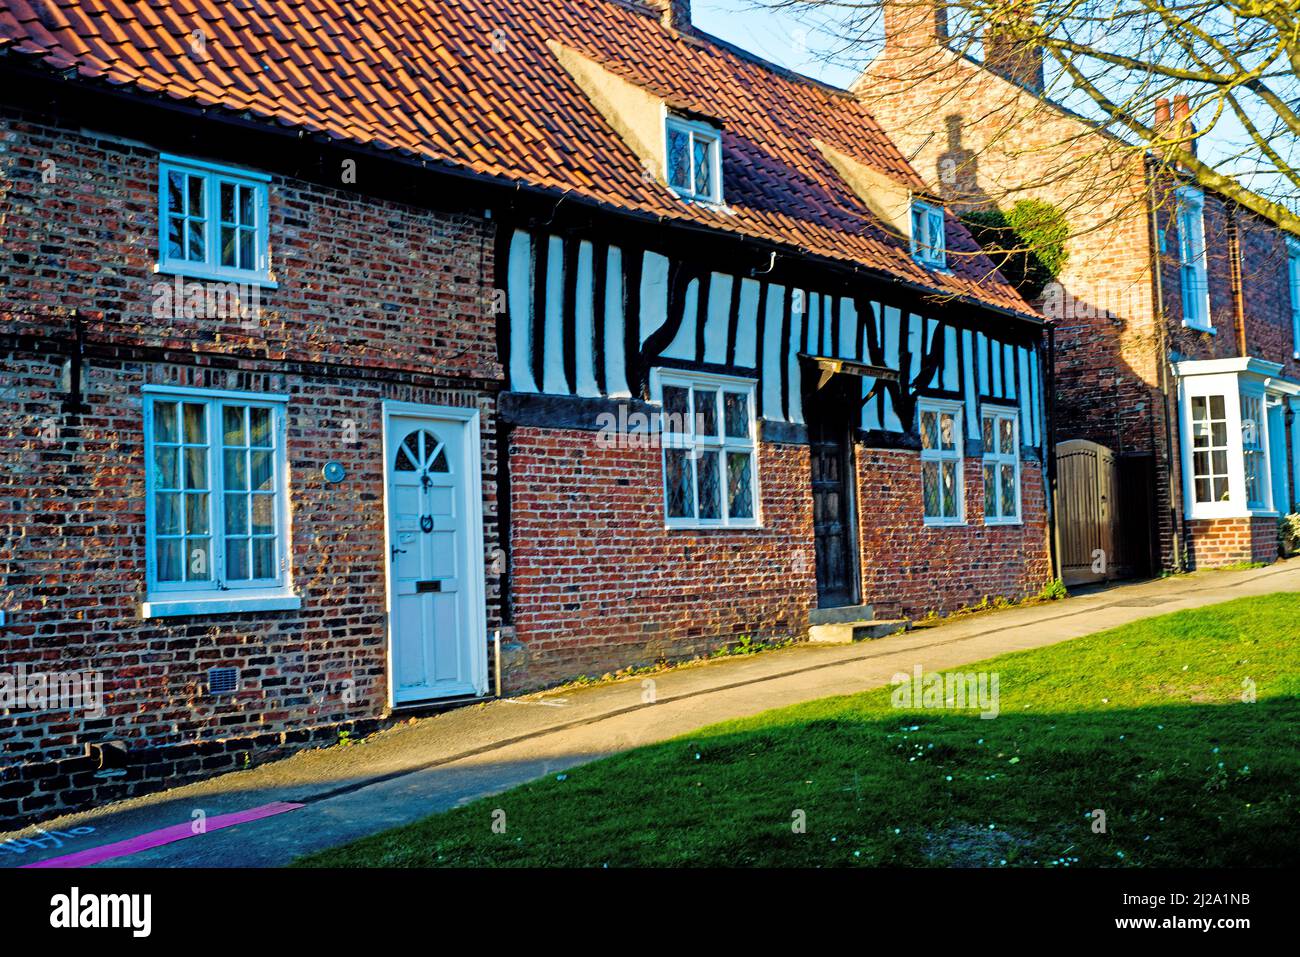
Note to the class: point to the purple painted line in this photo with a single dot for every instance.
(166, 835)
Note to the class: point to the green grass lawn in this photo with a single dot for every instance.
(1145, 722)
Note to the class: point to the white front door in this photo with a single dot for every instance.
(1282, 498)
(435, 556)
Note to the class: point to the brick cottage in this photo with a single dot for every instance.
(1177, 314)
(338, 342)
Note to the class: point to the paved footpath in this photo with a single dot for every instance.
(433, 764)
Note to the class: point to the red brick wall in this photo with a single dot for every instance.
(1215, 542)
(910, 568)
(598, 583)
(375, 301)
(981, 141)
(1266, 295)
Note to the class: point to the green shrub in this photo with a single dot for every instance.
(1053, 591)
(1288, 535)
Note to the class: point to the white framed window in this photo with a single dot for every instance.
(1001, 432)
(213, 221)
(1293, 282)
(1210, 449)
(1191, 255)
(216, 516)
(929, 243)
(942, 462)
(694, 159)
(1254, 457)
(1227, 435)
(708, 432)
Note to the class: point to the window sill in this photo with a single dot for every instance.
(734, 527)
(179, 607)
(1003, 521)
(201, 273)
(938, 267)
(944, 523)
(1196, 327)
(1237, 513)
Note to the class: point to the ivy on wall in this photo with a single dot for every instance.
(1026, 242)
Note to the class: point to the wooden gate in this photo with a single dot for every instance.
(1089, 540)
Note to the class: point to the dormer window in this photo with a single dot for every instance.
(694, 160)
(928, 242)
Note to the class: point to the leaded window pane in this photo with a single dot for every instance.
(679, 482)
(703, 167)
(740, 497)
(949, 489)
(679, 169)
(736, 414)
(930, 489)
(709, 486)
(676, 409)
(929, 430)
(706, 412)
(1008, 491)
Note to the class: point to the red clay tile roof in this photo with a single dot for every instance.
(472, 83)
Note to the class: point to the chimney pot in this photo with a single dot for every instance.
(1163, 115)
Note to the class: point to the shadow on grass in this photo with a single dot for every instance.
(846, 781)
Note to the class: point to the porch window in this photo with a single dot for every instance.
(216, 519)
(1252, 450)
(1191, 249)
(213, 221)
(1001, 466)
(1210, 448)
(941, 462)
(710, 456)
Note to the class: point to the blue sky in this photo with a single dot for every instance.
(812, 43)
(793, 39)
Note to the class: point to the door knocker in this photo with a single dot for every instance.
(426, 523)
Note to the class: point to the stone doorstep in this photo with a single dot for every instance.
(847, 632)
(844, 613)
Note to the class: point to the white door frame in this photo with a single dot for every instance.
(475, 572)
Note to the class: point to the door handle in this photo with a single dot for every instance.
(398, 551)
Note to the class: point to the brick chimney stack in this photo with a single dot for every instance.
(674, 14)
(1183, 121)
(915, 25)
(1018, 60)
(1174, 121)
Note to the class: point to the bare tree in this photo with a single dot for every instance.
(1206, 87)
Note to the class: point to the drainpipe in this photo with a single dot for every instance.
(1162, 351)
(1049, 453)
(1234, 276)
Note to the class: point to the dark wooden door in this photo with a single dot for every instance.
(1103, 518)
(834, 541)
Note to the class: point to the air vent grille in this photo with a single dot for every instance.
(223, 680)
